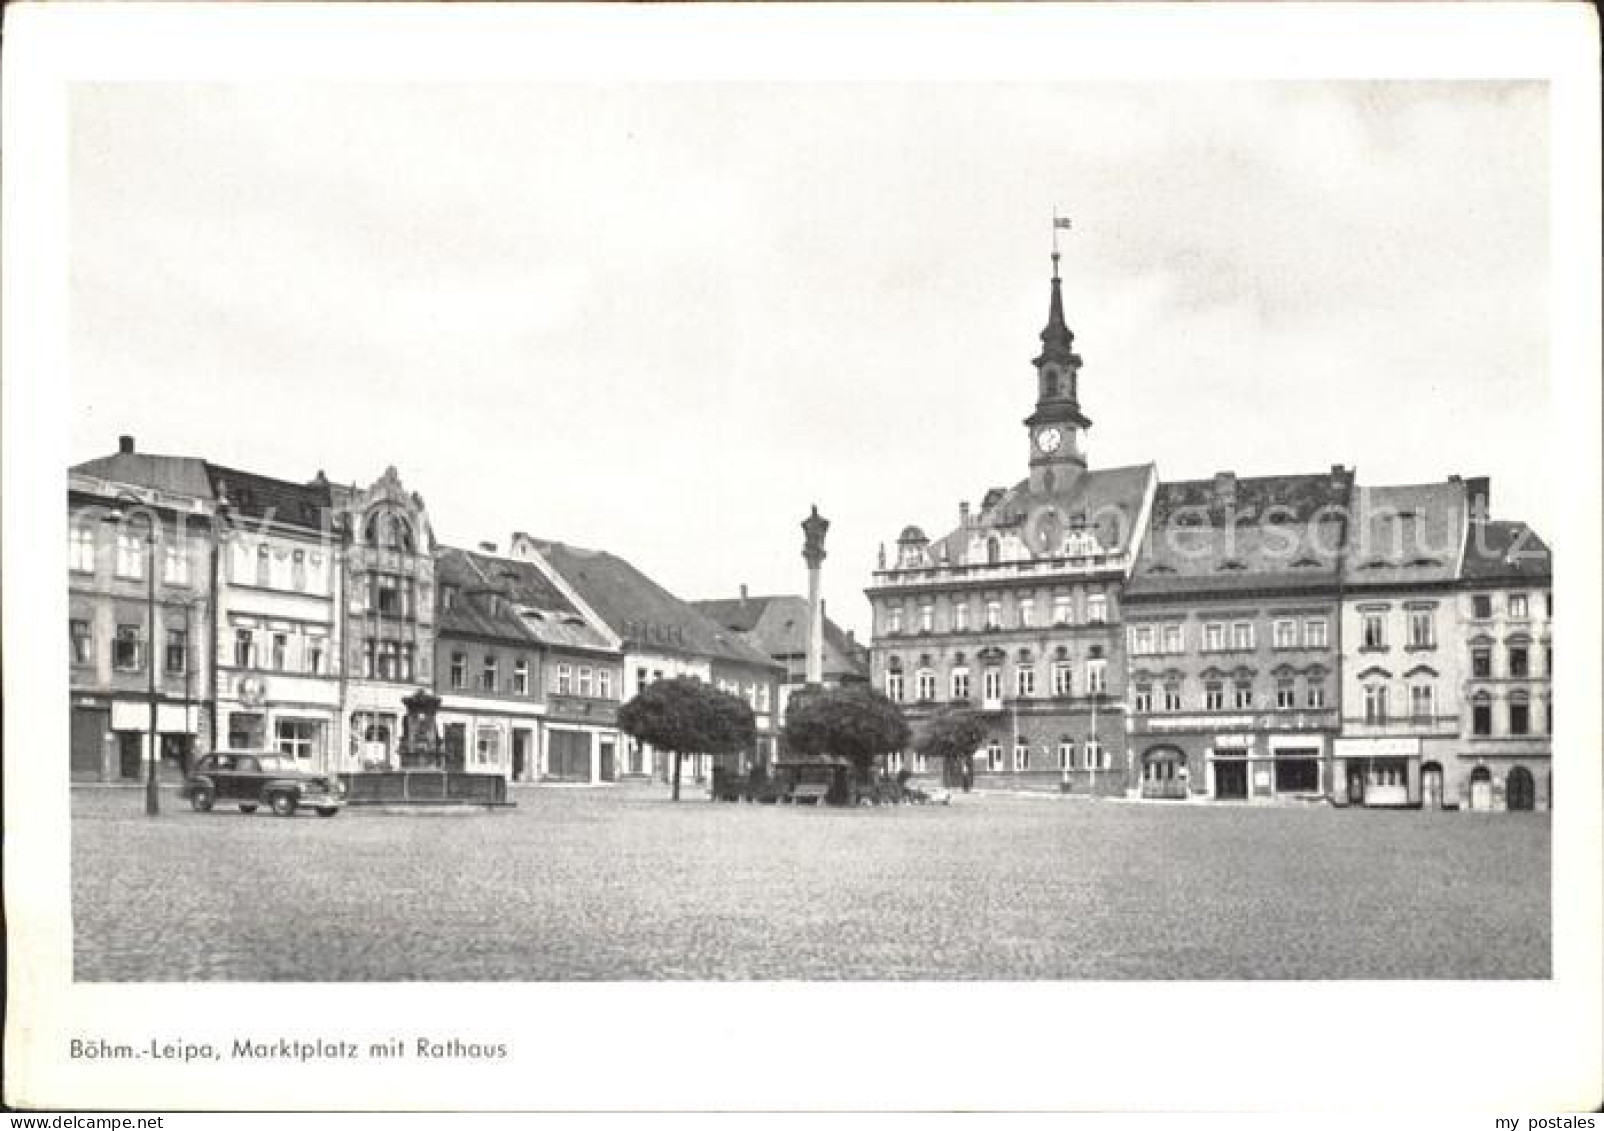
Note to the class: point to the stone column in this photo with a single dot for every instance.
(813, 530)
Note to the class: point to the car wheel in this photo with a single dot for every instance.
(247, 807)
(327, 811)
(201, 798)
(284, 805)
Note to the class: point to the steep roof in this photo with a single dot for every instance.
(178, 475)
(527, 608)
(1227, 534)
(264, 497)
(1406, 534)
(641, 611)
(1506, 551)
(777, 625)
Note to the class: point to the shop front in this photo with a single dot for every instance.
(1377, 772)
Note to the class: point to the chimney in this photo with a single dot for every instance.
(488, 547)
(1225, 487)
(743, 594)
(1478, 492)
(963, 513)
(125, 445)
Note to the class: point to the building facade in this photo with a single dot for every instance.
(1506, 660)
(1232, 636)
(114, 505)
(1018, 613)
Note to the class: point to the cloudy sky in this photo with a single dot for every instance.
(665, 319)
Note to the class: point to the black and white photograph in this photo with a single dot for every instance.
(737, 525)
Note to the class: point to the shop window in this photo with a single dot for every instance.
(296, 737)
(487, 746)
(247, 730)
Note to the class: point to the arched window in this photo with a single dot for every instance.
(388, 530)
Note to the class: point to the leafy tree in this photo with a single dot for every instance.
(686, 716)
(953, 736)
(852, 721)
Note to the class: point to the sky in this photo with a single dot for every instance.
(666, 319)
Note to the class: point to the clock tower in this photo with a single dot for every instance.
(1057, 429)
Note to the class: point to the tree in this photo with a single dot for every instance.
(686, 716)
(852, 721)
(953, 736)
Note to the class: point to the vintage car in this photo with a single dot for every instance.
(249, 780)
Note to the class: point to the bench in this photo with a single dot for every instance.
(811, 792)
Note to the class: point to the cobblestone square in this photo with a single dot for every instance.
(622, 884)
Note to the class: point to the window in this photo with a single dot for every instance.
(281, 644)
(893, 621)
(587, 679)
(1317, 695)
(1422, 629)
(81, 549)
(1519, 662)
(1021, 755)
(565, 679)
(993, 551)
(1025, 682)
(389, 659)
(1062, 610)
(641, 680)
(295, 737)
(1214, 695)
(1375, 703)
(1144, 697)
(1214, 638)
(926, 682)
(1422, 708)
(1242, 636)
(927, 618)
(1374, 631)
(1172, 696)
(177, 651)
(1066, 754)
(1481, 714)
(298, 569)
(1548, 716)
(264, 566)
(175, 564)
(1285, 694)
(1286, 634)
(520, 677)
(605, 690)
(1548, 659)
(1314, 633)
(459, 671)
(1173, 643)
(1142, 640)
(387, 595)
(130, 555)
(244, 648)
(991, 684)
(1481, 606)
(1481, 663)
(993, 614)
(1063, 680)
(960, 683)
(489, 674)
(247, 730)
(82, 640)
(367, 658)
(1242, 694)
(127, 649)
(314, 655)
(960, 617)
(994, 755)
(1096, 609)
(487, 746)
(1520, 714)
(1517, 606)
(894, 686)
(1096, 677)
(920, 763)
(1096, 756)
(1027, 613)
(1548, 605)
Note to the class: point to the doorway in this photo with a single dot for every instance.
(1520, 791)
(130, 753)
(607, 769)
(1231, 779)
(1481, 788)
(520, 754)
(1431, 786)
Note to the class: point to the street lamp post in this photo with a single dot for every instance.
(152, 790)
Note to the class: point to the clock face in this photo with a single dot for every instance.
(1048, 439)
